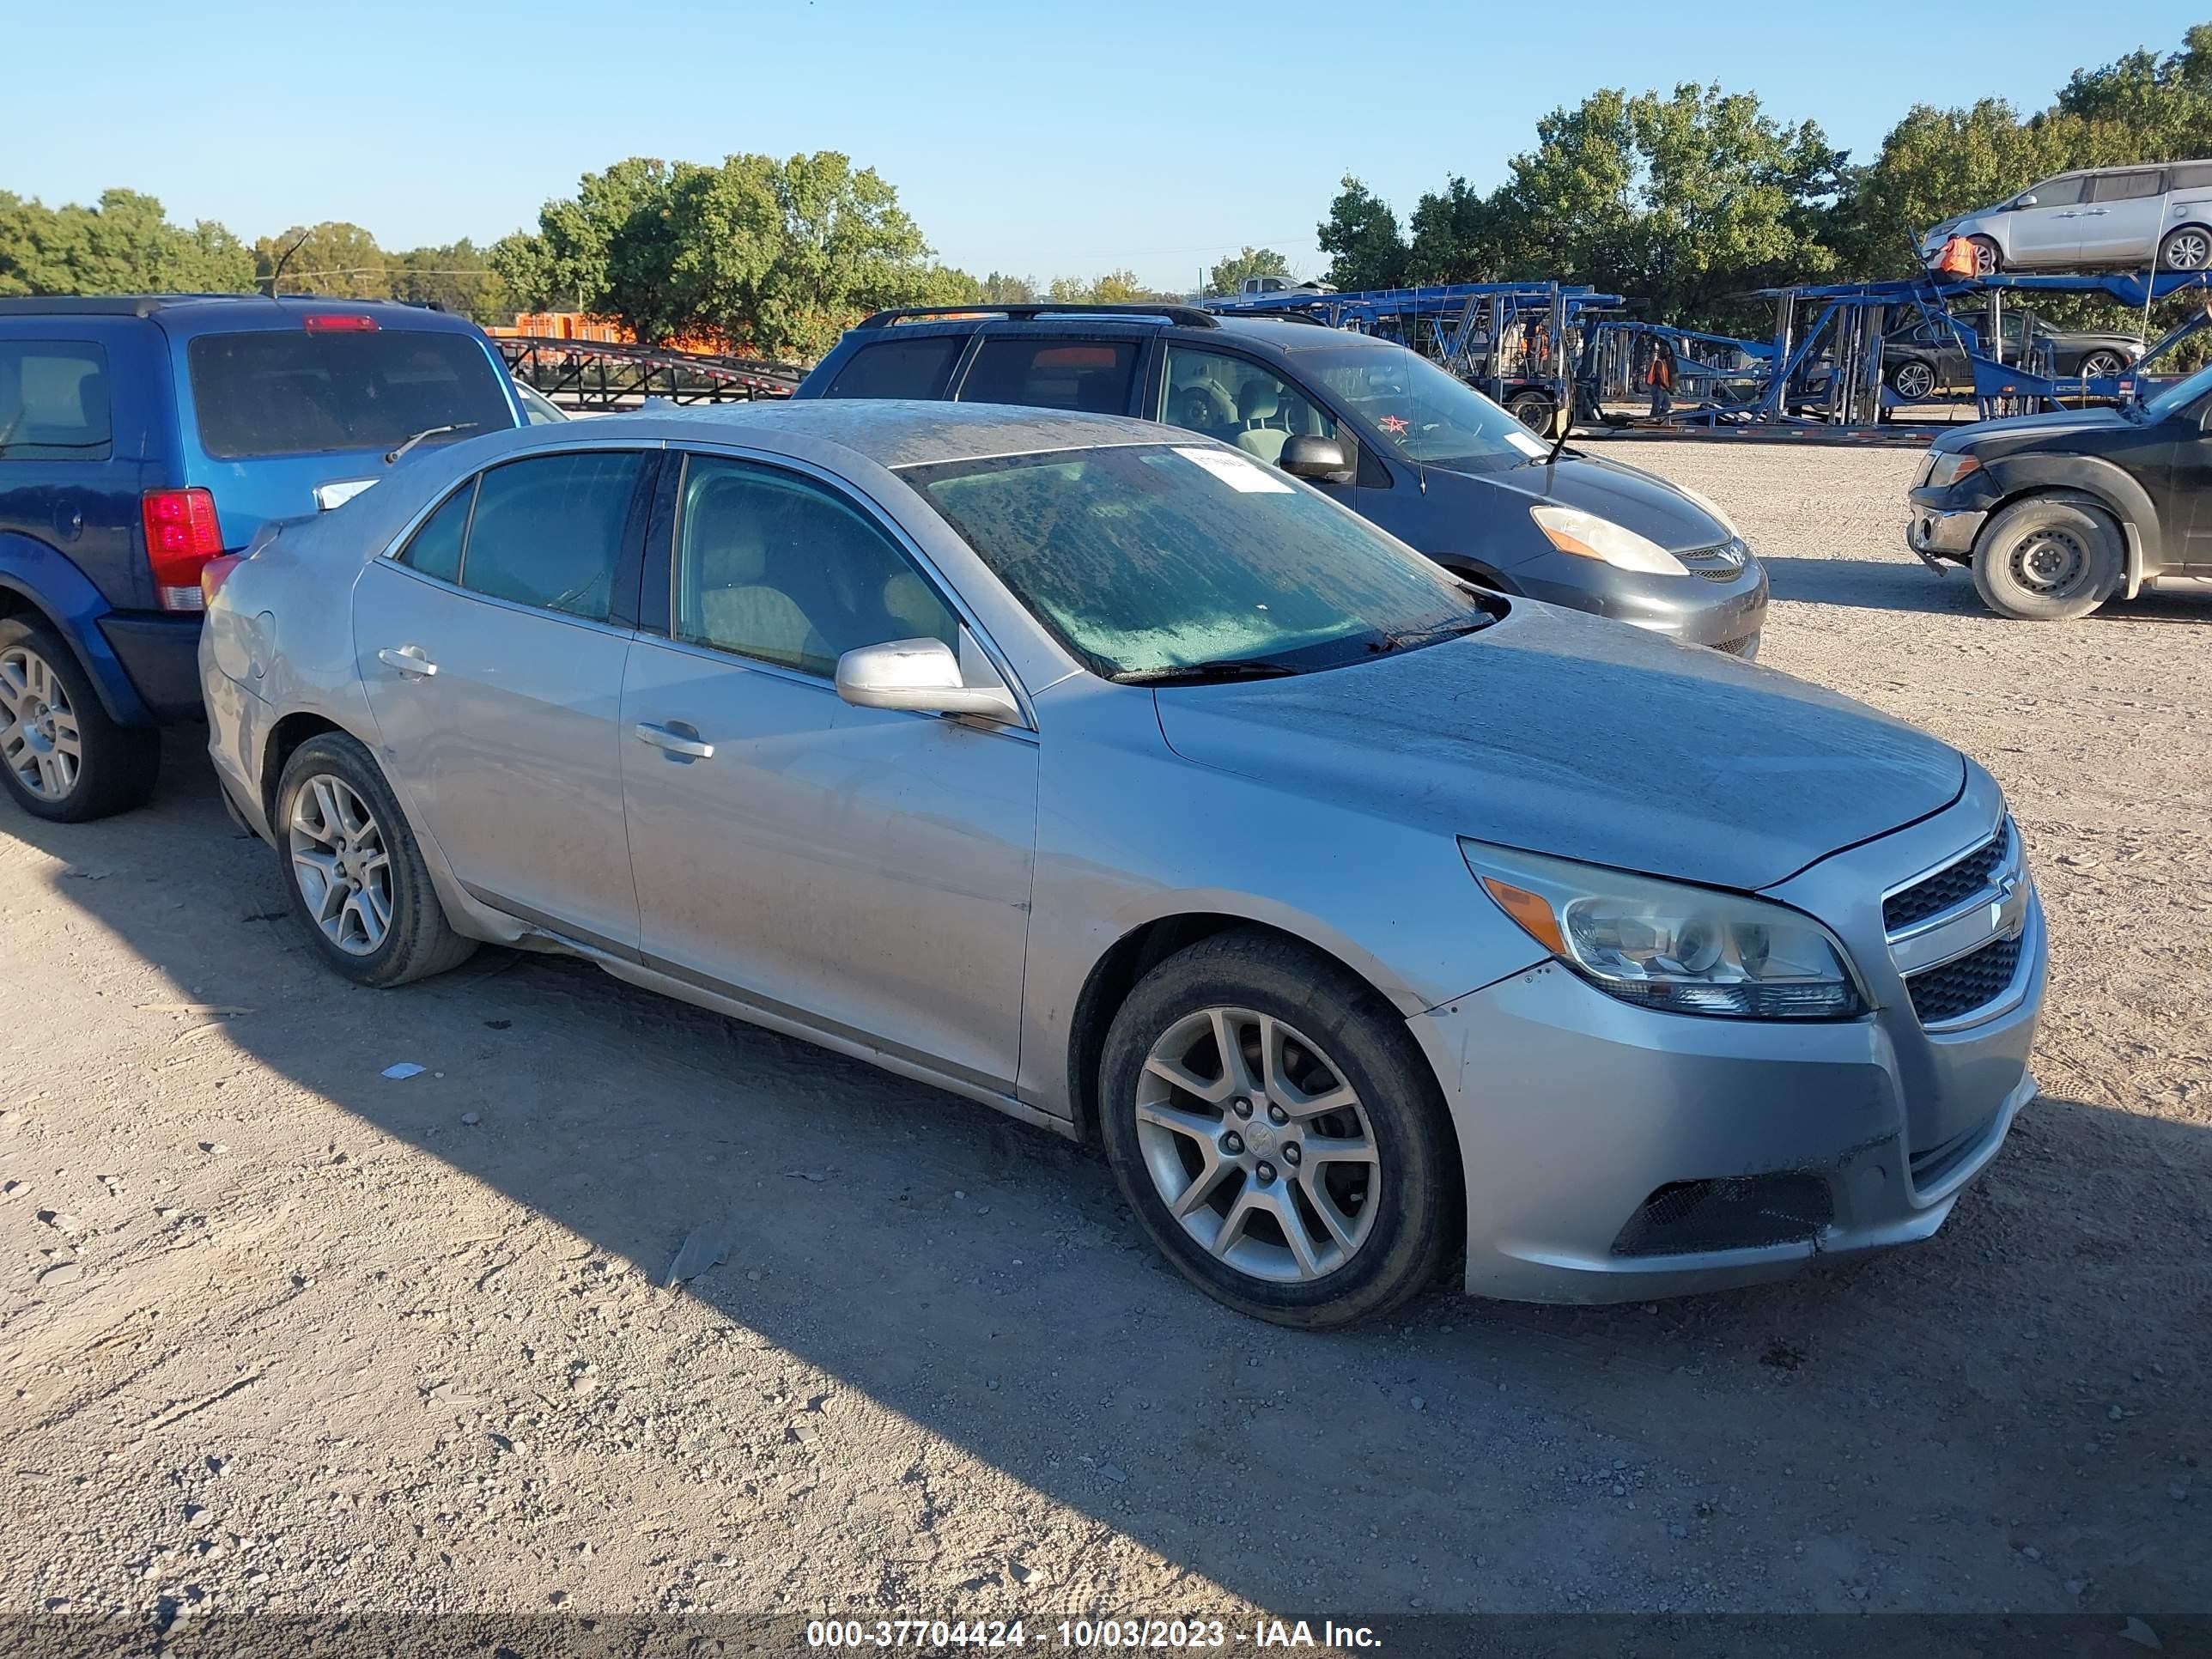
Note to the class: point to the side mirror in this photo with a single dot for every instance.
(923, 677)
(1326, 460)
(2027, 200)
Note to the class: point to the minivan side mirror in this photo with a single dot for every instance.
(1325, 460)
(2027, 200)
(924, 678)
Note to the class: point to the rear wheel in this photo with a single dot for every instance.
(2101, 365)
(1277, 1133)
(1534, 410)
(2187, 248)
(2047, 559)
(355, 875)
(61, 755)
(1912, 380)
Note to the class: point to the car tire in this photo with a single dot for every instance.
(1988, 257)
(354, 870)
(2186, 247)
(2099, 365)
(1535, 410)
(1913, 380)
(2047, 559)
(62, 757)
(1347, 1117)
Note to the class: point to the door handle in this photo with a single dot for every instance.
(684, 741)
(408, 659)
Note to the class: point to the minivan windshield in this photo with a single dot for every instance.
(2178, 395)
(298, 392)
(1424, 413)
(1169, 561)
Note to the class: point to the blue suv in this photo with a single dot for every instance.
(142, 438)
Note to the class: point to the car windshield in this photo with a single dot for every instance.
(1420, 410)
(1182, 561)
(301, 392)
(2178, 395)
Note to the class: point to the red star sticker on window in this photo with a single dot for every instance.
(1393, 424)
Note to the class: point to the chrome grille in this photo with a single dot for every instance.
(1724, 562)
(1745, 646)
(1973, 981)
(1951, 886)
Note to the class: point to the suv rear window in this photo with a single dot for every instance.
(1091, 375)
(291, 392)
(53, 401)
(898, 368)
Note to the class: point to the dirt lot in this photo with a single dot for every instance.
(322, 1342)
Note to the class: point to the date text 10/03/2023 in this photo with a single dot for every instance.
(1077, 1635)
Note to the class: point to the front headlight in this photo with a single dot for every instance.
(1712, 507)
(1588, 537)
(1664, 944)
(1947, 468)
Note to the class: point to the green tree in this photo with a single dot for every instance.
(1455, 236)
(126, 245)
(1228, 276)
(335, 257)
(457, 277)
(1361, 238)
(1001, 288)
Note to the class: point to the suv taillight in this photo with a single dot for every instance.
(181, 537)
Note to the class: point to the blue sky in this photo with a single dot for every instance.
(1038, 138)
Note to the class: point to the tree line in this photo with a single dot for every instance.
(1691, 198)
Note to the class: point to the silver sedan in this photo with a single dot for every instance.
(1090, 770)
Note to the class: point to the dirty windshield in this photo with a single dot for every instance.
(1183, 562)
(1420, 410)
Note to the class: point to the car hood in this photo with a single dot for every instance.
(2030, 426)
(1557, 732)
(1635, 500)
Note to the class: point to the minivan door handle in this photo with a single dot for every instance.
(675, 739)
(408, 659)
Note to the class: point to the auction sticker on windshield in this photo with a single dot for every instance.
(1527, 445)
(1235, 471)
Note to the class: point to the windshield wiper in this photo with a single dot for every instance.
(393, 457)
(1230, 668)
(1431, 635)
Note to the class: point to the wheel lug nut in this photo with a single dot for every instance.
(1277, 1114)
(1266, 1172)
(1292, 1154)
(1232, 1143)
(1241, 1106)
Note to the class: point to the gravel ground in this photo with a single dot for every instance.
(281, 1335)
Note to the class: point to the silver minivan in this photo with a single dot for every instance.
(2098, 216)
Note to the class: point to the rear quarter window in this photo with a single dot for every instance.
(1094, 376)
(54, 401)
(2194, 175)
(289, 392)
(899, 368)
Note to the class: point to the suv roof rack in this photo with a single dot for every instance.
(1188, 316)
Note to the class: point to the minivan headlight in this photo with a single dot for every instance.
(1666, 945)
(1588, 537)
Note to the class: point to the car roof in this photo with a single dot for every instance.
(226, 314)
(1292, 332)
(891, 432)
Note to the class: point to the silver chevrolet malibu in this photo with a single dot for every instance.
(1083, 766)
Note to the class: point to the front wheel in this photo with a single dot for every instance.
(1278, 1133)
(1988, 257)
(1912, 380)
(355, 875)
(2047, 559)
(2187, 248)
(61, 755)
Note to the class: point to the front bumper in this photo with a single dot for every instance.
(1936, 532)
(1693, 610)
(1614, 1153)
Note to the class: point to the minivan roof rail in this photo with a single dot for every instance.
(1188, 316)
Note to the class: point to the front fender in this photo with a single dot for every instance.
(2011, 476)
(50, 582)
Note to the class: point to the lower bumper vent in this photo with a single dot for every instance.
(1741, 1214)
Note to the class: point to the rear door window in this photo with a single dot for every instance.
(53, 401)
(2124, 186)
(298, 392)
(1094, 376)
(548, 531)
(435, 548)
(899, 368)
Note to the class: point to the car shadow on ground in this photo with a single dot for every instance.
(1906, 584)
(1913, 1422)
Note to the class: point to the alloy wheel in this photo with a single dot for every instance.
(341, 863)
(2188, 250)
(1256, 1142)
(2049, 561)
(1913, 381)
(40, 740)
